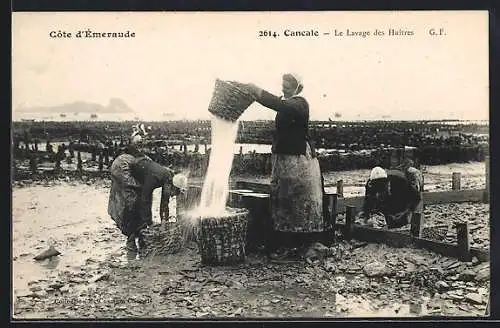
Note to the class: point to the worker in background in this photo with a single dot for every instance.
(394, 193)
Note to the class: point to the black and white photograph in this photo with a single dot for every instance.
(295, 165)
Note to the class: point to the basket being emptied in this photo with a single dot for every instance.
(229, 100)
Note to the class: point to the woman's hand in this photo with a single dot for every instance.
(254, 90)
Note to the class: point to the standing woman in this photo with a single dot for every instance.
(296, 181)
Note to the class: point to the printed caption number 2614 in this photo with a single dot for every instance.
(268, 33)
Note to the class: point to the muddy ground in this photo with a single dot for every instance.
(95, 277)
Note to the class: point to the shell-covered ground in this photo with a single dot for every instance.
(95, 277)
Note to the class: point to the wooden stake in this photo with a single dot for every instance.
(79, 165)
(101, 161)
(455, 180)
(106, 157)
(329, 217)
(350, 214)
(416, 224)
(33, 164)
(463, 241)
(340, 188)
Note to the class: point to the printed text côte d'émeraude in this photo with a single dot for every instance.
(88, 33)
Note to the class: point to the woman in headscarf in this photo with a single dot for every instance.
(394, 193)
(134, 177)
(296, 181)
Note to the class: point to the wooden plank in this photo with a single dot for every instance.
(400, 239)
(429, 198)
(482, 254)
(445, 249)
(257, 187)
(375, 235)
(454, 196)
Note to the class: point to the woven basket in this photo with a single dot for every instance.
(437, 232)
(161, 239)
(229, 100)
(222, 240)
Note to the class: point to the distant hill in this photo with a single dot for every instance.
(115, 105)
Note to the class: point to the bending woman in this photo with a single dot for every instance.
(134, 178)
(296, 181)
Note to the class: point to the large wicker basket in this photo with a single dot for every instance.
(229, 100)
(161, 239)
(222, 240)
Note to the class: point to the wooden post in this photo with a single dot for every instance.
(340, 188)
(350, 214)
(94, 154)
(106, 157)
(487, 189)
(463, 241)
(329, 217)
(416, 224)
(58, 163)
(101, 161)
(79, 165)
(455, 180)
(33, 165)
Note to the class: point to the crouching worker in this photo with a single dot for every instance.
(134, 178)
(394, 193)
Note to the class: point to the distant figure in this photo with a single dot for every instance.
(48, 148)
(394, 193)
(61, 152)
(71, 149)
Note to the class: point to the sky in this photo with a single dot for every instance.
(172, 63)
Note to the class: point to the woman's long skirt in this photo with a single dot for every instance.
(123, 207)
(296, 193)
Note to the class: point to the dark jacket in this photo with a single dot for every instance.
(395, 194)
(292, 120)
(152, 175)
